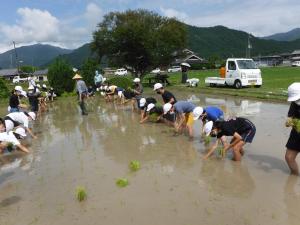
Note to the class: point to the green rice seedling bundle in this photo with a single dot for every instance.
(207, 140)
(296, 124)
(81, 194)
(135, 165)
(122, 182)
(221, 152)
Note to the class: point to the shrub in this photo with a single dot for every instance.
(4, 91)
(122, 82)
(60, 76)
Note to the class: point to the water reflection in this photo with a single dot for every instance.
(292, 199)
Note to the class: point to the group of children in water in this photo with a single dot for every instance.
(182, 115)
(16, 124)
(179, 114)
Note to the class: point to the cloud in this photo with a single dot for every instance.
(40, 26)
(257, 17)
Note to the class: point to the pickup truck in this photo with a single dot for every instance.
(17, 79)
(238, 73)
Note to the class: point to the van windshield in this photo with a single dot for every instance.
(246, 64)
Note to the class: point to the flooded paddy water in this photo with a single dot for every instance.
(174, 185)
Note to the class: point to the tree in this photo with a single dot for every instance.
(60, 75)
(4, 91)
(88, 70)
(27, 69)
(139, 40)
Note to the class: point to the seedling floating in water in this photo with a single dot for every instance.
(135, 165)
(122, 182)
(81, 194)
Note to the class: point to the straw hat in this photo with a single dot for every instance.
(77, 76)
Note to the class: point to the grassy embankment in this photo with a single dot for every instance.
(275, 83)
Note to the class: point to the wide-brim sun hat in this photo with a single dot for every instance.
(32, 115)
(208, 127)
(21, 131)
(167, 107)
(136, 80)
(150, 106)
(30, 88)
(197, 112)
(294, 92)
(157, 86)
(77, 76)
(142, 102)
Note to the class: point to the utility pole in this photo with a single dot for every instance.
(249, 47)
(17, 61)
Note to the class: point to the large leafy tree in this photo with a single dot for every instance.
(139, 39)
(60, 75)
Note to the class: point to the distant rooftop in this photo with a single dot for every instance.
(8, 72)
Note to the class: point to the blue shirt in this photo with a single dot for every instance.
(98, 78)
(81, 87)
(213, 113)
(184, 107)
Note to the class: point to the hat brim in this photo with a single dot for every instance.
(142, 105)
(196, 117)
(294, 98)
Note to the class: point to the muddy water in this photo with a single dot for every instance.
(174, 185)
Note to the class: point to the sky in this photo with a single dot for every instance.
(70, 23)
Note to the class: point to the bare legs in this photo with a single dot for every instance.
(290, 158)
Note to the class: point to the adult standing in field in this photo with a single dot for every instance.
(184, 71)
(82, 91)
(98, 79)
(293, 144)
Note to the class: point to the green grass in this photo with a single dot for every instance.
(275, 83)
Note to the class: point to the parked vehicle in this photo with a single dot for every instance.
(296, 64)
(156, 71)
(174, 69)
(238, 73)
(121, 72)
(17, 80)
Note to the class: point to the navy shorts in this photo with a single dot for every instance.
(248, 136)
(294, 141)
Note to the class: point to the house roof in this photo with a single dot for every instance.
(193, 57)
(296, 52)
(8, 72)
(40, 72)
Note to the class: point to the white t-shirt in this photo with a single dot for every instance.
(20, 117)
(9, 137)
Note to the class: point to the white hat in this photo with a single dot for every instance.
(44, 86)
(157, 86)
(208, 127)
(21, 131)
(150, 106)
(197, 112)
(32, 115)
(18, 88)
(38, 85)
(104, 79)
(142, 102)
(167, 107)
(294, 92)
(185, 64)
(30, 87)
(136, 80)
(23, 93)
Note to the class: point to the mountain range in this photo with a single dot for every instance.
(287, 36)
(204, 41)
(36, 55)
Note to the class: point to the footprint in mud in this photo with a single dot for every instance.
(10, 201)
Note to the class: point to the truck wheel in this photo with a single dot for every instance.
(237, 84)
(257, 86)
(212, 85)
